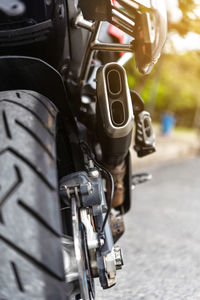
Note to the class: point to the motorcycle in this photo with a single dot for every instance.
(67, 118)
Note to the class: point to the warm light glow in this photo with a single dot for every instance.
(191, 41)
(174, 13)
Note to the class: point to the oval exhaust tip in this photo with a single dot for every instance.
(114, 83)
(117, 113)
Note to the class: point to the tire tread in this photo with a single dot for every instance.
(30, 231)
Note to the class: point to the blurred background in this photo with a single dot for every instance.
(161, 244)
(171, 92)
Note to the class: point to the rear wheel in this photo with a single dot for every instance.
(31, 261)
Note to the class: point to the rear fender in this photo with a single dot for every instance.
(27, 73)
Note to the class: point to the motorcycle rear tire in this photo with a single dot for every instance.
(31, 261)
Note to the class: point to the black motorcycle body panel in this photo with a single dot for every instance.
(27, 73)
(40, 32)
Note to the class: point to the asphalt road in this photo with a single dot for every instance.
(161, 245)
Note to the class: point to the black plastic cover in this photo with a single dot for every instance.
(99, 10)
(38, 32)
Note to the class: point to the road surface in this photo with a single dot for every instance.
(161, 245)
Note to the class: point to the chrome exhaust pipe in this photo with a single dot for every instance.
(114, 113)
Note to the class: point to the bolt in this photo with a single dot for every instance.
(104, 208)
(101, 241)
(64, 69)
(90, 191)
(91, 164)
(94, 173)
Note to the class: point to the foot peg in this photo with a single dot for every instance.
(144, 136)
(140, 178)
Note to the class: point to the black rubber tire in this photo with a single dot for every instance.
(31, 262)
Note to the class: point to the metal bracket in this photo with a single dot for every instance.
(119, 18)
(12, 8)
(85, 188)
(95, 45)
(135, 4)
(92, 240)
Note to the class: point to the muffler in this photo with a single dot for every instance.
(114, 113)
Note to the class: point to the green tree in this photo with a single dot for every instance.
(174, 83)
(190, 21)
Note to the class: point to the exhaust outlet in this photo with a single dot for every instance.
(114, 83)
(117, 113)
(114, 113)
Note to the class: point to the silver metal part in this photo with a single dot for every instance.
(81, 22)
(12, 8)
(87, 255)
(153, 21)
(74, 256)
(86, 63)
(118, 257)
(80, 258)
(103, 98)
(113, 262)
(70, 263)
(119, 19)
(134, 4)
(92, 240)
(94, 173)
(152, 27)
(94, 44)
(110, 268)
(145, 130)
(71, 268)
(111, 47)
(104, 208)
(123, 21)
